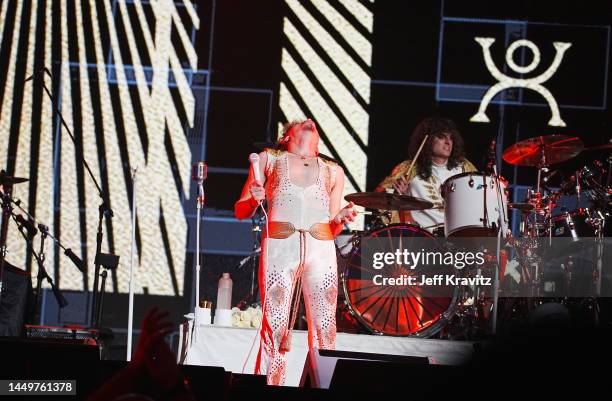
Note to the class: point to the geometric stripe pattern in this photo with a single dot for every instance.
(326, 70)
(120, 72)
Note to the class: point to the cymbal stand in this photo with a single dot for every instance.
(501, 233)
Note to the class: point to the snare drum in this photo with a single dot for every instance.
(472, 207)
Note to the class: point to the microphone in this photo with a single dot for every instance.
(75, 259)
(254, 159)
(199, 172)
(28, 225)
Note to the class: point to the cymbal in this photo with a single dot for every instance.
(554, 148)
(8, 180)
(386, 201)
(523, 207)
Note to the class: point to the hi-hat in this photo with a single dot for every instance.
(546, 150)
(386, 201)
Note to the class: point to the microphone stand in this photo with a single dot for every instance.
(40, 258)
(256, 230)
(78, 263)
(132, 260)
(104, 210)
(40, 261)
(199, 207)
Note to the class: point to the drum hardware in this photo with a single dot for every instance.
(589, 182)
(541, 152)
(502, 209)
(472, 306)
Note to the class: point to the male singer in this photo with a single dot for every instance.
(303, 193)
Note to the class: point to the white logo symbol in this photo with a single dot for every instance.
(535, 83)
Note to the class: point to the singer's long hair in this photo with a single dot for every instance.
(435, 127)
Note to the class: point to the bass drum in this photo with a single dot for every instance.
(396, 310)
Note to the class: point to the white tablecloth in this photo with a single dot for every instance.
(229, 347)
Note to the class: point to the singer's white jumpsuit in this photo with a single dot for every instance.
(302, 207)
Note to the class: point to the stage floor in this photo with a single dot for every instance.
(229, 347)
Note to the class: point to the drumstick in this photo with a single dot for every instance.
(416, 156)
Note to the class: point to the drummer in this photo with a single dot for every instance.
(442, 156)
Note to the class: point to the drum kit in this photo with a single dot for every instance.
(477, 206)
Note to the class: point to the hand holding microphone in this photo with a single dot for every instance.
(257, 191)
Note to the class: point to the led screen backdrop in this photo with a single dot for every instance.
(121, 71)
(129, 79)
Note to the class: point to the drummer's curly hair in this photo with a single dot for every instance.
(435, 126)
